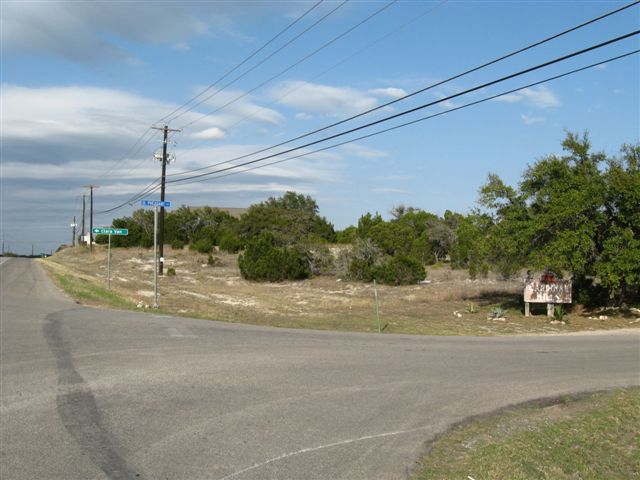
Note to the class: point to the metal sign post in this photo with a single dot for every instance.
(155, 204)
(155, 257)
(109, 265)
(109, 231)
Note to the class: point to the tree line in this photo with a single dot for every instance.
(576, 214)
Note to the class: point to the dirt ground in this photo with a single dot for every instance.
(449, 304)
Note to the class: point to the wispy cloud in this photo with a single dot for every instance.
(538, 97)
(390, 92)
(390, 190)
(322, 99)
(531, 120)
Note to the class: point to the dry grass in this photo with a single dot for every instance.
(218, 292)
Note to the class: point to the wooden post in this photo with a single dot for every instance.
(550, 308)
(527, 309)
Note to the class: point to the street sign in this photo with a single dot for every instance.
(155, 203)
(110, 231)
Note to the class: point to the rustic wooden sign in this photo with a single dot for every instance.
(558, 291)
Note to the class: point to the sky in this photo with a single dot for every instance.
(84, 82)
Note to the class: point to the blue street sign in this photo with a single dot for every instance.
(155, 203)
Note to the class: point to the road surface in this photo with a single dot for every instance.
(90, 393)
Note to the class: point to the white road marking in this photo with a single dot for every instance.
(313, 449)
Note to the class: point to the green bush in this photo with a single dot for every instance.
(177, 244)
(204, 245)
(262, 260)
(399, 270)
(230, 242)
(171, 272)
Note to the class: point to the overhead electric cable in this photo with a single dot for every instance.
(335, 65)
(395, 127)
(429, 104)
(246, 72)
(428, 117)
(129, 153)
(409, 95)
(246, 59)
(391, 117)
(303, 59)
(422, 90)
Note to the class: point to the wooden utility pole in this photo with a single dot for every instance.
(91, 187)
(165, 134)
(83, 214)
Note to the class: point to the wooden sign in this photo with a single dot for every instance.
(556, 291)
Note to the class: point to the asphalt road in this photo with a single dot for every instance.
(89, 393)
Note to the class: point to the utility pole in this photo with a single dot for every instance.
(83, 209)
(73, 232)
(165, 133)
(91, 187)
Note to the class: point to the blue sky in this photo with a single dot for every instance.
(82, 81)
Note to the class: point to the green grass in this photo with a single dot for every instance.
(597, 437)
(86, 292)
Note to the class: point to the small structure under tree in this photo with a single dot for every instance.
(547, 289)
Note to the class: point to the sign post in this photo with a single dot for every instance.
(109, 231)
(155, 257)
(155, 204)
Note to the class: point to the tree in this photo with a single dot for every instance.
(575, 213)
(290, 218)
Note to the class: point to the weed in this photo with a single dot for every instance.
(471, 308)
(171, 272)
(498, 313)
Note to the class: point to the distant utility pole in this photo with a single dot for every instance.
(83, 209)
(165, 132)
(73, 232)
(91, 187)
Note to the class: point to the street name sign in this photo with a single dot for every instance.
(110, 231)
(155, 203)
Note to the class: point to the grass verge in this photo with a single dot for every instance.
(593, 437)
(84, 291)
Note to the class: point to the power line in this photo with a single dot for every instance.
(428, 117)
(429, 104)
(453, 109)
(424, 89)
(131, 152)
(150, 187)
(303, 59)
(335, 65)
(246, 59)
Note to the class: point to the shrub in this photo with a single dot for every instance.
(262, 260)
(230, 242)
(399, 270)
(213, 261)
(177, 244)
(171, 272)
(204, 245)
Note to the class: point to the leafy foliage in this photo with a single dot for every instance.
(263, 260)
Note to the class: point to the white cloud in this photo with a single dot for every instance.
(181, 46)
(390, 92)
(88, 32)
(303, 116)
(213, 133)
(538, 97)
(361, 151)
(531, 120)
(602, 66)
(323, 99)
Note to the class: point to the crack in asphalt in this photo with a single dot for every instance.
(77, 408)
